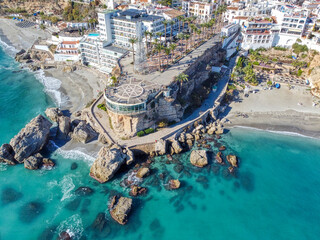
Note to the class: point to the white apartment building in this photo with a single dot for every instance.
(257, 34)
(292, 24)
(98, 53)
(239, 11)
(67, 45)
(203, 10)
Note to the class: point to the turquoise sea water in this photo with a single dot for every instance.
(275, 194)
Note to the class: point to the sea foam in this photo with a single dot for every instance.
(52, 87)
(73, 226)
(10, 50)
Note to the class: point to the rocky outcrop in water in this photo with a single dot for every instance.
(233, 160)
(120, 208)
(83, 132)
(7, 154)
(107, 164)
(136, 191)
(53, 114)
(143, 172)
(174, 184)
(199, 158)
(31, 139)
(219, 158)
(33, 162)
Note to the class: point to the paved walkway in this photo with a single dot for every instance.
(166, 77)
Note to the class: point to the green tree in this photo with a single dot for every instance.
(181, 78)
(165, 23)
(167, 51)
(133, 41)
(159, 48)
(173, 47)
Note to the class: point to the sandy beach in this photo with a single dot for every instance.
(277, 110)
(20, 38)
(78, 87)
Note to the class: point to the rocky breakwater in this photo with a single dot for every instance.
(120, 208)
(24, 147)
(108, 162)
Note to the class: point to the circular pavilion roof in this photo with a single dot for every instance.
(127, 91)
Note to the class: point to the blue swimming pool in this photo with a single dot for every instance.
(94, 34)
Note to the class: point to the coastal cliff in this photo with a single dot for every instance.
(52, 6)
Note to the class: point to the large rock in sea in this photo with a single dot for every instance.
(120, 208)
(161, 147)
(53, 114)
(64, 127)
(7, 154)
(83, 132)
(107, 163)
(233, 160)
(31, 138)
(199, 158)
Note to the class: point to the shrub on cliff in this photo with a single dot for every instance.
(149, 130)
(140, 134)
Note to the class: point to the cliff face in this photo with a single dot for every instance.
(31, 6)
(315, 76)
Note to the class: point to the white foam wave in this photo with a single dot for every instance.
(8, 49)
(73, 226)
(278, 132)
(3, 167)
(52, 87)
(66, 187)
(78, 153)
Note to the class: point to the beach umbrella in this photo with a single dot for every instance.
(277, 85)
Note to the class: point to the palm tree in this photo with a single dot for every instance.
(180, 18)
(165, 23)
(186, 37)
(184, 20)
(146, 34)
(181, 78)
(180, 36)
(171, 29)
(159, 34)
(173, 47)
(167, 51)
(133, 41)
(159, 48)
(192, 32)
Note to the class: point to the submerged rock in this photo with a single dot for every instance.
(31, 139)
(7, 154)
(232, 159)
(199, 158)
(84, 133)
(74, 166)
(107, 163)
(10, 195)
(178, 168)
(136, 191)
(84, 191)
(30, 211)
(100, 224)
(120, 208)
